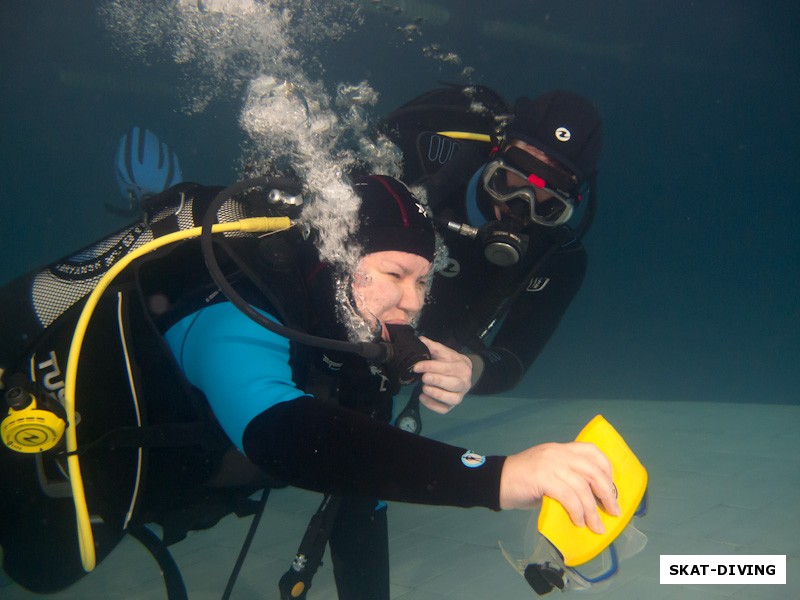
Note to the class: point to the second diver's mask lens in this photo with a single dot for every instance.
(526, 194)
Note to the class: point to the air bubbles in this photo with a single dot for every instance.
(410, 32)
(361, 94)
(259, 54)
(274, 109)
(437, 53)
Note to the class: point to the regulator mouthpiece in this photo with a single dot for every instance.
(407, 350)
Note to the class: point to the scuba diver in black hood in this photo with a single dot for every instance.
(186, 376)
(513, 190)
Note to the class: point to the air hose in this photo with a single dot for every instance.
(379, 352)
(85, 536)
(466, 135)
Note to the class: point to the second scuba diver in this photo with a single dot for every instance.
(514, 190)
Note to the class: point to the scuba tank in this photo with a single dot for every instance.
(435, 126)
(131, 428)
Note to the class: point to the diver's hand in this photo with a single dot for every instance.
(445, 378)
(577, 475)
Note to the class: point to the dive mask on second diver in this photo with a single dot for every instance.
(559, 554)
(511, 180)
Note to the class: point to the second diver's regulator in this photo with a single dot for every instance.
(502, 246)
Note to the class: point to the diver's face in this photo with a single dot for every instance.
(390, 287)
(512, 180)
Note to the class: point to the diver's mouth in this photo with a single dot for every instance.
(385, 336)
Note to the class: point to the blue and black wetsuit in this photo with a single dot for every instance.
(191, 356)
(346, 446)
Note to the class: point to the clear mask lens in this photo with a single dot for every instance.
(527, 196)
(542, 565)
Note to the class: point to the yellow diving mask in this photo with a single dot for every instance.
(559, 554)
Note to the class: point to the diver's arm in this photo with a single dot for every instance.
(530, 323)
(324, 447)
(243, 370)
(241, 367)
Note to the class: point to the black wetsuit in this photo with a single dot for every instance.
(506, 315)
(471, 292)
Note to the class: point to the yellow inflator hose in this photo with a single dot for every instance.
(85, 537)
(466, 135)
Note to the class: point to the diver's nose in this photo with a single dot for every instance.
(412, 299)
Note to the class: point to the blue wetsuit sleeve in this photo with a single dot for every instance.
(242, 368)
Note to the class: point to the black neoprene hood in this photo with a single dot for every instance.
(564, 125)
(391, 218)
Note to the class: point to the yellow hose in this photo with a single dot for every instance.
(85, 536)
(466, 135)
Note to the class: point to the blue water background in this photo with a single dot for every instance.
(692, 290)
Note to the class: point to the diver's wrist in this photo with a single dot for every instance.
(477, 368)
